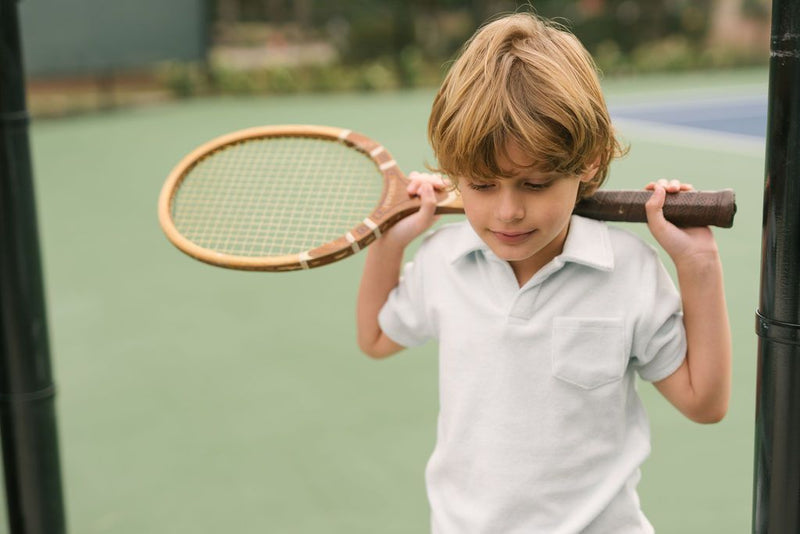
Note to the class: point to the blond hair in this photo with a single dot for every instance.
(525, 80)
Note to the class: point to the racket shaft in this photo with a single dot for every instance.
(688, 208)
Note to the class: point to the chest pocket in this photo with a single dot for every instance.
(588, 352)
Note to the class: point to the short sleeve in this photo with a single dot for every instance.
(403, 317)
(659, 344)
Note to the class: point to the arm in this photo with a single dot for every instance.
(382, 268)
(700, 387)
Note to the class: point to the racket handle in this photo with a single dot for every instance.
(688, 208)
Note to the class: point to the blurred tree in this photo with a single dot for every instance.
(227, 11)
(302, 12)
(401, 35)
(630, 23)
(275, 10)
(759, 9)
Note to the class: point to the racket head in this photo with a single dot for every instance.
(281, 198)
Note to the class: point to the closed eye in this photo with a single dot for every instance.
(480, 186)
(536, 186)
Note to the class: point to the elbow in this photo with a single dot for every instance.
(368, 350)
(377, 347)
(710, 414)
(368, 346)
(373, 350)
(372, 354)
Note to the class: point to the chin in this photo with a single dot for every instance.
(512, 255)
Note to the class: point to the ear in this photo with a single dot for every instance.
(591, 171)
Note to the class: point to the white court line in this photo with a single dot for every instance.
(690, 137)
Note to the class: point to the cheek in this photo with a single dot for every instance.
(475, 220)
(473, 209)
(554, 214)
(551, 209)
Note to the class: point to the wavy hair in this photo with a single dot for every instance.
(526, 80)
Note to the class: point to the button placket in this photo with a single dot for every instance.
(524, 305)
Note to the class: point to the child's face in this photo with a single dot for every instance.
(523, 219)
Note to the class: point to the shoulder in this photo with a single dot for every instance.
(628, 246)
(605, 246)
(632, 258)
(638, 264)
(450, 240)
(441, 248)
(448, 232)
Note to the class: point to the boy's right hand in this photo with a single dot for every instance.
(422, 185)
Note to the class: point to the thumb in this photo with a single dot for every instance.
(427, 197)
(654, 207)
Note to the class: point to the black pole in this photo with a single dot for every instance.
(27, 404)
(776, 492)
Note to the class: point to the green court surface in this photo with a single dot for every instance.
(198, 400)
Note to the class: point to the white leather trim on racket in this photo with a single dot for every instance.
(304, 258)
(372, 226)
(352, 240)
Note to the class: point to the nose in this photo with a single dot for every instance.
(510, 206)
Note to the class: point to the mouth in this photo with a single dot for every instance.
(512, 237)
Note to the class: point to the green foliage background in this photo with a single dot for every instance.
(390, 44)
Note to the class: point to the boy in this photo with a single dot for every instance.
(542, 318)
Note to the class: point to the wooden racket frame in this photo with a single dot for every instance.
(393, 205)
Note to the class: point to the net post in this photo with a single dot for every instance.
(27, 407)
(776, 479)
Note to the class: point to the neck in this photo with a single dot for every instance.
(525, 269)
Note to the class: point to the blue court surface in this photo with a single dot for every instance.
(740, 115)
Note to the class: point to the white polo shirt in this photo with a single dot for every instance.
(540, 427)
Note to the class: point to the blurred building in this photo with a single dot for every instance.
(91, 37)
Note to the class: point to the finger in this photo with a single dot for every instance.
(427, 209)
(656, 200)
(673, 186)
(428, 198)
(437, 180)
(661, 182)
(654, 208)
(413, 184)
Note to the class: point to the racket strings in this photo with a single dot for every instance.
(275, 196)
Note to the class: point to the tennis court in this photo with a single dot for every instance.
(199, 400)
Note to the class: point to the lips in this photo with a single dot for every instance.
(511, 238)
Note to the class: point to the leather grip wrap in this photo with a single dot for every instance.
(688, 208)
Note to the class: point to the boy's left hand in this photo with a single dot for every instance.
(680, 243)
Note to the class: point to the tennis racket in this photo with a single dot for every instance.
(280, 198)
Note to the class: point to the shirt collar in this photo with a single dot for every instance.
(465, 242)
(587, 243)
